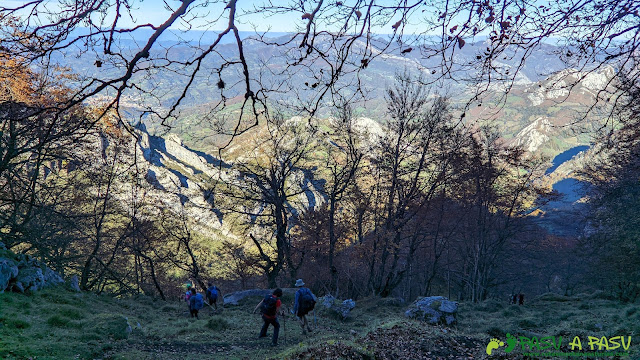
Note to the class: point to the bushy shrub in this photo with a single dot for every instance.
(527, 324)
(59, 321)
(218, 324)
(110, 325)
(496, 332)
(491, 305)
(17, 324)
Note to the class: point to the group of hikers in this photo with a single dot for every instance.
(270, 307)
(196, 302)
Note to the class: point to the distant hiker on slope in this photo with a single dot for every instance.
(305, 302)
(187, 295)
(213, 292)
(196, 302)
(270, 307)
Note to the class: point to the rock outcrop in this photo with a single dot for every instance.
(434, 310)
(8, 271)
(74, 284)
(340, 308)
(23, 273)
(236, 297)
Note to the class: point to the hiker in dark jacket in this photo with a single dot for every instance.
(270, 307)
(304, 303)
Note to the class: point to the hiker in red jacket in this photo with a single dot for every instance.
(270, 307)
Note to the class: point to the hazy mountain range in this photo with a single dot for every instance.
(537, 114)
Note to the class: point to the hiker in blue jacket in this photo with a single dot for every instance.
(213, 292)
(196, 302)
(304, 303)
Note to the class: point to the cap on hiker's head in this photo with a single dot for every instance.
(299, 282)
(277, 292)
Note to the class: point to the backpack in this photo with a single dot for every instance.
(212, 292)
(269, 305)
(198, 302)
(307, 302)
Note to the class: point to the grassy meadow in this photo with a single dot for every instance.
(60, 324)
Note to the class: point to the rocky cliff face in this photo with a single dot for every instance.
(181, 179)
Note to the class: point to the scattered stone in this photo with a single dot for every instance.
(434, 310)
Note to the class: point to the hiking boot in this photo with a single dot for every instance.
(262, 336)
(309, 330)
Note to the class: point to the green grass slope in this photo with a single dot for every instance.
(60, 324)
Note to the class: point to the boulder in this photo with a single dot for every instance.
(434, 310)
(29, 278)
(234, 298)
(75, 286)
(341, 308)
(52, 278)
(8, 271)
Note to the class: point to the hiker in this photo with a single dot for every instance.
(305, 302)
(187, 295)
(520, 299)
(196, 302)
(270, 307)
(212, 295)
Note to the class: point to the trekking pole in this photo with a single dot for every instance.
(284, 328)
(315, 320)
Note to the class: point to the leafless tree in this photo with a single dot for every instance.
(414, 161)
(264, 187)
(343, 153)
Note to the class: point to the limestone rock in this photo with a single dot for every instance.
(336, 306)
(29, 278)
(52, 278)
(434, 310)
(74, 284)
(8, 271)
(234, 298)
